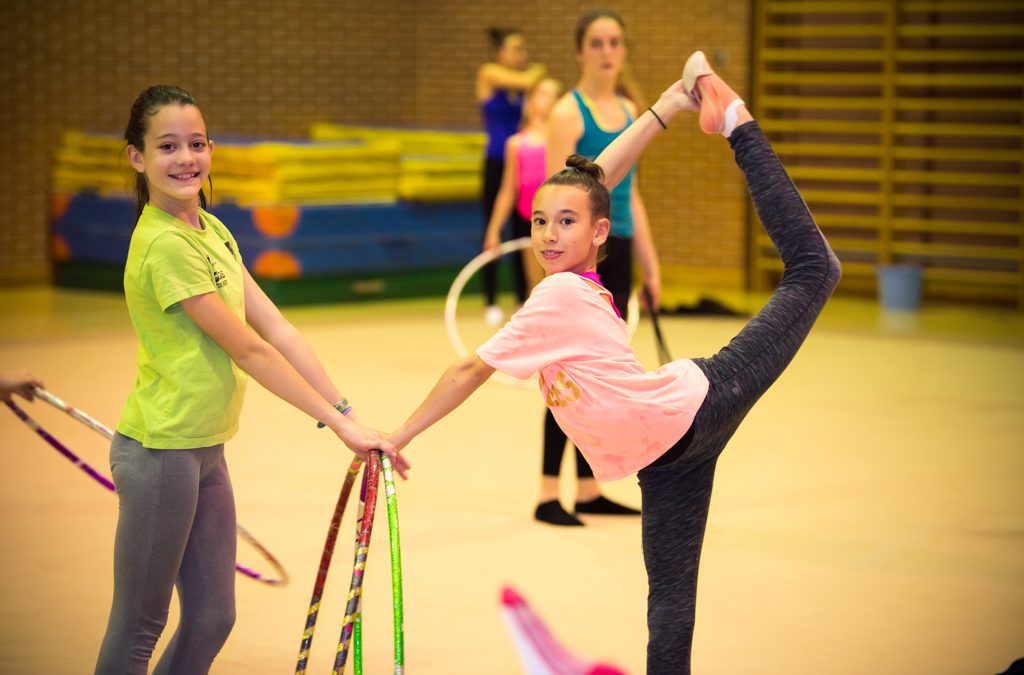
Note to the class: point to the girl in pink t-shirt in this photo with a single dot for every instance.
(523, 173)
(672, 424)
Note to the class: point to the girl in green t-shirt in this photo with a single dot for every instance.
(203, 325)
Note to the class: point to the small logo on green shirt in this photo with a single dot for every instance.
(219, 277)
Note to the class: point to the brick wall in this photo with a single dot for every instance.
(268, 69)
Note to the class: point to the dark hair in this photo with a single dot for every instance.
(587, 18)
(499, 35)
(580, 172)
(145, 106)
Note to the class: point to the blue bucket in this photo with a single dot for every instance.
(899, 287)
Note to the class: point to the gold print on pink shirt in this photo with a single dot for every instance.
(562, 392)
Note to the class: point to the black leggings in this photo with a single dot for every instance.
(493, 168)
(676, 489)
(616, 272)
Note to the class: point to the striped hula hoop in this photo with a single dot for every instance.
(325, 564)
(352, 629)
(371, 478)
(357, 624)
(282, 576)
(397, 602)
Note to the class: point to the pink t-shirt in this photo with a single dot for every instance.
(618, 414)
(532, 173)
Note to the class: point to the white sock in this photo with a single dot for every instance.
(730, 117)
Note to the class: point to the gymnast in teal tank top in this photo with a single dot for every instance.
(591, 143)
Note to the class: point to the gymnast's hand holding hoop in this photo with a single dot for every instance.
(361, 440)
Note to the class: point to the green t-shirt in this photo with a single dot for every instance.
(188, 393)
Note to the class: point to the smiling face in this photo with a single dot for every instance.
(175, 157)
(603, 48)
(566, 236)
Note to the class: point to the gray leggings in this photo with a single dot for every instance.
(176, 526)
(676, 489)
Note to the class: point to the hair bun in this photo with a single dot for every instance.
(581, 173)
(584, 165)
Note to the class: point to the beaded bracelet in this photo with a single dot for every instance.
(342, 406)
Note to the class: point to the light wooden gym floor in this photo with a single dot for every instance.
(868, 516)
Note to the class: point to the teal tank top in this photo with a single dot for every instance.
(591, 143)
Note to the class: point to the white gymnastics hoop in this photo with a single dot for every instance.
(451, 305)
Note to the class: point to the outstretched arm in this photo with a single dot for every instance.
(266, 319)
(269, 367)
(622, 153)
(268, 322)
(456, 384)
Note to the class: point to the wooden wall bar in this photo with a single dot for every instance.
(902, 122)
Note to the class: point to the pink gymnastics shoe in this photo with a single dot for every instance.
(696, 66)
(713, 94)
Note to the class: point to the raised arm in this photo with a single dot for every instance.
(493, 76)
(456, 384)
(622, 153)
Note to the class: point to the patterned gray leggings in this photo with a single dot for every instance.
(176, 525)
(676, 489)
